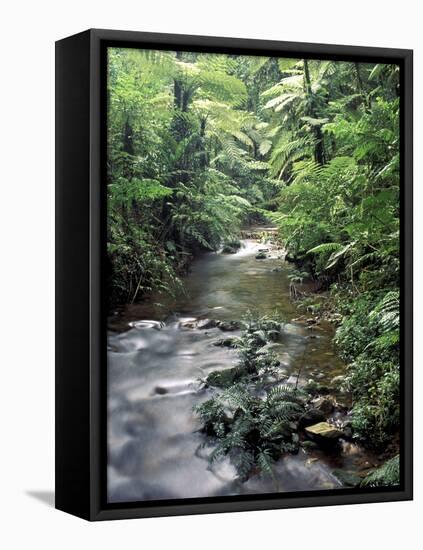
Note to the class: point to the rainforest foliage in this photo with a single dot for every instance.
(252, 419)
(200, 145)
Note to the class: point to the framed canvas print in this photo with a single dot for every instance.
(234, 274)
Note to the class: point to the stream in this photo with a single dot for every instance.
(157, 358)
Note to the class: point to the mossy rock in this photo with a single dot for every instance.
(227, 342)
(228, 326)
(310, 417)
(290, 258)
(223, 378)
(323, 404)
(309, 445)
(227, 249)
(323, 431)
(204, 324)
(347, 479)
(315, 388)
(231, 247)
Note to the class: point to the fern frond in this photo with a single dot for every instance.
(286, 152)
(306, 170)
(256, 63)
(244, 462)
(265, 462)
(265, 147)
(223, 86)
(385, 476)
(324, 248)
(281, 101)
(338, 254)
(387, 312)
(287, 63)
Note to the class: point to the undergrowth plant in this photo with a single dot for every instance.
(252, 415)
(254, 431)
(387, 475)
(368, 338)
(255, 364)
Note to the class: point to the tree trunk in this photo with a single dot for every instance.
(361, 87)
(319, 152)
(177, 88)
(307, 81)
(128, 138)
(203, 152)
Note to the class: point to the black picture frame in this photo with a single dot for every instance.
(80, 290)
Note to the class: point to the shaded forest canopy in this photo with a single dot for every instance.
(200, 145)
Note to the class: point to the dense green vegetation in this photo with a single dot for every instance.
(340, 220)
(201, 145)
(184, 162)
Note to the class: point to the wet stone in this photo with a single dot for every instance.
(311, 417)
(308, 445)
(323, 431)
(206, 323)
(160, 391)
(324, 405)
(226, 342)
(228, 326)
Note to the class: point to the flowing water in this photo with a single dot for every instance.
(156, 360)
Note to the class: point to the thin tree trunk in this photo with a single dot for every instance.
(307, 81)
(361, 87)
(319, 154)
(128, 138)
(177, 87)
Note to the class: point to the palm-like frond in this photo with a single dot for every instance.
(325, 248)
(281, 101)
(223, 86)
(387, 312)
(287, 64)
(336, 256)
(256, 63)
(306, 170)
(286, 152)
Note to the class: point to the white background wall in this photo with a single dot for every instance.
(28, 31)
